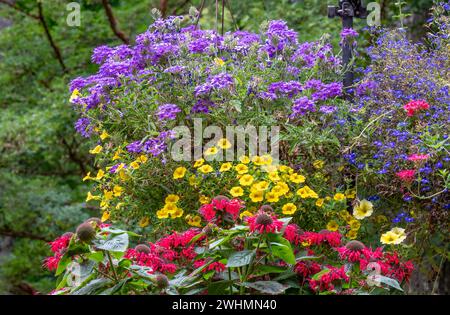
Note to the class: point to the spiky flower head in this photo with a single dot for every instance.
(86, 232)
(141, 248)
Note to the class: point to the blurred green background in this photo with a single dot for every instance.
(42, 160)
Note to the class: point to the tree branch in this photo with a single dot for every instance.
(163, 7)
(113, 22)
(73, 156)
(15, 7)
(50, 38)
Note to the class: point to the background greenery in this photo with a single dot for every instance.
(42, 160)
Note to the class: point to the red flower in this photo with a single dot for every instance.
(233, 206)
(418, 157)
(352, 251)
(208, 212)
(306, 268)
(60, 243)
(325, 282)
(291, 233)
(406, 175)
(332, 238)
(414, 106)
(264, 223)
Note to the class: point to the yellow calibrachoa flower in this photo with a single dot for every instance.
(100, 175)
(241, 168)
(177, 213)
(119, 167)
(205, 169)
(134, 165)
(257, 196)
(354, 224)
(193, 180)
(92, 197)
(273, 176)
(400, 234)
(319, 202)
(245, 213)
(172, 198)
(75, 94)
(179, 172)
(116, 155)
(142, 158)
(236, 191)
(332, 226)
(145, 221)
(289, 208)
(350, 193)
(267, 159)
(193, 220)
(306, 192)
(389, 238)
(107, 194)
(117, 190)
(272, 197)
(224, 143)
(199, 163)
(363, 210)
(104, 135)
(270, 168)
(211, 151)
(352, 234)
(244, 159)
(284, 187)
(204, 199)
(123, 176)
(278, 190)
(339, 197)
(170, 207)
(246, 180)
(318, 164)
(257, 160)
(105, 216)
(225, 167)
(87, 177)
(219, 62)
(297, 178)
(162, 214)
(262, 185)
(96, 150)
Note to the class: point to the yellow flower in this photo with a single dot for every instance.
(123, 176)
(143, 158)
(119, 167)
(134, 165)
(245, 213)
(262, 185)
(273, 176)
(199, 163)
(244, 159)
(272, 197)
(193, 180)
(297, 178)
(104, 204)
(257, 196)
(179, 172)
(283, 168)
(306, 192)
(194, 221)
(116, 155)
(258, 160)
(380, 219)
(224, 143)
(204, 199)
(205, 169)
(350, 193)
(219, 62)
(105, 216)
(354, 224)
(211, 151)
(339, 197)
(352, 234)
(246, 180)
(266, 159)
(119, 205)
(170, 208)
(96, 150)
(117, 190)
(177, 213)
(162, 214)
(344, 214)
(87, 177)
(92, 197)
(400, 233)
(172, 198)
(144, 222)
(236, 191)
(389, 238)
(225, 167)
(318, 164)
(319, 202)
(241, 168)
(278, 190)
(107, 194)
(284, 187)
(289, 208)
(332, 226)
(104, 135)
(75, 95)
(363, 210)
(100, 174)
(270, 168)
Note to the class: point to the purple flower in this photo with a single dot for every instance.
(327, 109)
(202, 106)
(286, 89)
(83, 127)
(302, 106)
(348, 32)
(168, 112)
(135, 147)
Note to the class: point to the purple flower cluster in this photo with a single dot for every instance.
(168, 112)
(217, 82)
(83, 127)
(302, 106)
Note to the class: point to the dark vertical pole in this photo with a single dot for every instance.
(347, 22)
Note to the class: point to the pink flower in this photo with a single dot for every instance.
(264, 223)
(406, 175)
(418, 157)
(208, 212)
(414, 106)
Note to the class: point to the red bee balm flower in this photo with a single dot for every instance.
(414, 106)
(418, 157)
(406, 175)
(264, 223)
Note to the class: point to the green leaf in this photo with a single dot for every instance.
(388, 281)
(220, 287)
(119, 231)
(265, 269)
(242, 258)
(281, 248)
(218, 242)
(92, 286)
(63, 263)
(117, 243)
(96, 256)
(268, 287)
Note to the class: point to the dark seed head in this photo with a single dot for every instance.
(264, 219)
(266, 208)
(355, 245)
(221, 197)
(141, 248)
(97, 221)
(162, 281)
(86, 232)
